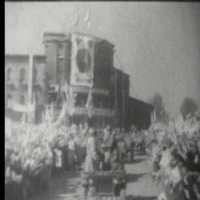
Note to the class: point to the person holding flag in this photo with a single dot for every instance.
(91, 163)
(89, 104)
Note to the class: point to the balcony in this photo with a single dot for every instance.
(94, 112)
(87, 89)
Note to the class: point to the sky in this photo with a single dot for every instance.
(156, 43)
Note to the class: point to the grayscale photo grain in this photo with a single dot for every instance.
(102, 100)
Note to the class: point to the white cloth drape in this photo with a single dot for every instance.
(91, 155)
(20, 108)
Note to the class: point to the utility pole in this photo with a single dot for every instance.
(30, 86)
(123, 98)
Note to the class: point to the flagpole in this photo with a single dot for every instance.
(86, 117)
(123, 99)
(30, 82)
(115, 97)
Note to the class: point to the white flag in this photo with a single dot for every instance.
(87, 20)
(89, 104)
(87, 16)
(88, 24)
(76, 20)
(21, 108)
(71, 102)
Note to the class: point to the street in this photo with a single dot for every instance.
(139, 184)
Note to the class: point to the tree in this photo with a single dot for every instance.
(189, 106)
(159, 107)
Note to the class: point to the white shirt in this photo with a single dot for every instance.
(166, 158)
(71, 145)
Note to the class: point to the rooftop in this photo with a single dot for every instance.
(53, 36)
(24, 57)
(141, 102)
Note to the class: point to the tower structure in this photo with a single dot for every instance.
(84, 62)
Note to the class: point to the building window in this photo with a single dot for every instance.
(9, 101)
(22, 100)
(35, 75)
(22, 75)
(9, 74)
(60, 50)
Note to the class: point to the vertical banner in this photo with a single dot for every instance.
(82, 64)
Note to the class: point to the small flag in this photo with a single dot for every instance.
(87, 16)
(87, 20)
(88, 25)
(76, 20)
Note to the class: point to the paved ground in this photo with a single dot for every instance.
(139, 187)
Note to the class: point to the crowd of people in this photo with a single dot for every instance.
(95, 150)
(174, 152)
(35, 153)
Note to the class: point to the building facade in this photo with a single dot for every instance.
(16, 79)
(85, 62)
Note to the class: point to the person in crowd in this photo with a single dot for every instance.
(78, 149)
(156, 169)
(191, 157)
(106, 158)
(114, 161)
(130, 146)
(192, 160)
(114, 142)
(91, 160)
(107, 140)
(173, 180)
(138, 141)
(14, 189)
(122, 147)
(71, 152)
(58, 158)
(191, 185)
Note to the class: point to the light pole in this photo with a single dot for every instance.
(30, 87)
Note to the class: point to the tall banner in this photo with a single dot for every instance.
(82, 64)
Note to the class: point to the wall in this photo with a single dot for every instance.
(16, 63)
(138, 114)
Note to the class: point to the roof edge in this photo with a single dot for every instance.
(143, 102)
